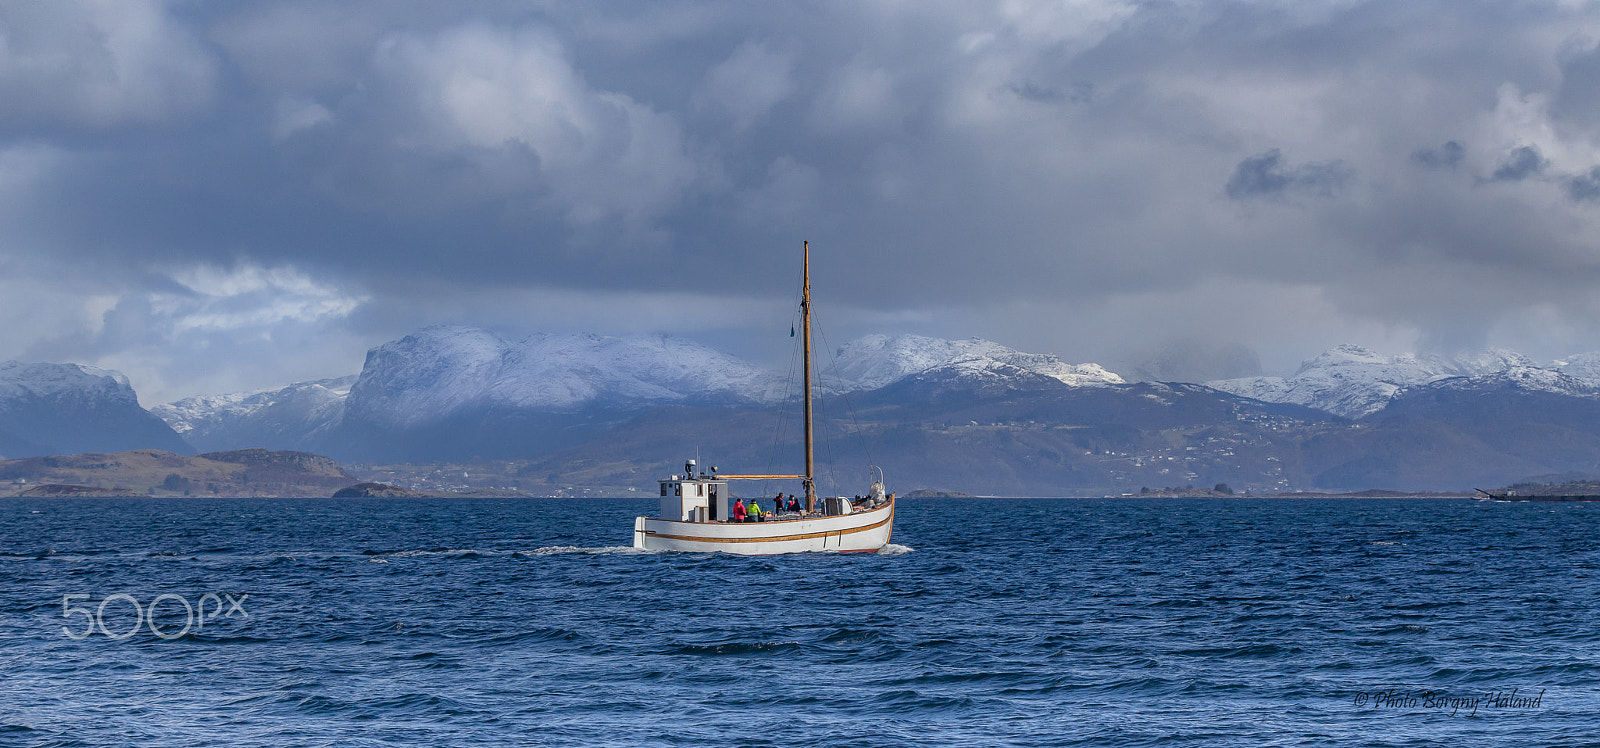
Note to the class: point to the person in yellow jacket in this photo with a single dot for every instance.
(754, 510)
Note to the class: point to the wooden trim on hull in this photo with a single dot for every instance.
(775, 538)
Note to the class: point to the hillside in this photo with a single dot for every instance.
(1052, 440)
(1036, 437)
(151, 472)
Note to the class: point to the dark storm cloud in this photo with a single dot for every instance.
(1447, 156)
(1585, 186)
(1520, 164)
(1131, 172)
(1032, 91)
(1266, 175)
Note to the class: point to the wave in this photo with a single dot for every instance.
(549, 550)
(385, 555)
(455, 552)
(545, 634)
(737, 648)
(604, 550)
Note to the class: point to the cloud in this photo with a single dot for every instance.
(480, 92)
(249, 298)
(747, 85)
(1189, 360)
(1585, 187)
(1266, 175)
(96, 65)
(1357, 169)
(1520, 164)
(294, 115)
(171, 335)
(859, 96)
(1447, 156)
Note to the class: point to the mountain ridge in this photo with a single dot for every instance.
(438, 390)
(1354, 382)
(48, 408)
(969, 415)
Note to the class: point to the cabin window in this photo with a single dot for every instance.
(677, 489)
(699, 489)
(663, 489)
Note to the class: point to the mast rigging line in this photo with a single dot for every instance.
(861, 433)
(788, 390)
(783, 408)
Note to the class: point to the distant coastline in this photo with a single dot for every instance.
(262, 473)
(1371, 493)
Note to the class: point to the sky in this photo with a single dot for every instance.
(215, 197)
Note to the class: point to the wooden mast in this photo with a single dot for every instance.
(805, 315)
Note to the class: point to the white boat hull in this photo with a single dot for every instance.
(866, 530)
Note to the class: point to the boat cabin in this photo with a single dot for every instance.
(695, 496)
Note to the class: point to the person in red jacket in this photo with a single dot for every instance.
(738, 511)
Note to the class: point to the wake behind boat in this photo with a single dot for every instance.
(698, 513)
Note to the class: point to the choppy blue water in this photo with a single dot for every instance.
(1042, 622)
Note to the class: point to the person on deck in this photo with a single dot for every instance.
(738, 511)
(794, 506)
(777, 503)
(755, 511)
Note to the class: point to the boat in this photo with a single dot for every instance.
(697, 512)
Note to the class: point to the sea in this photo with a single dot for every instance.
(1045, 622)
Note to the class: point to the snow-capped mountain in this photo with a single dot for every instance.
(1522, 378)
(876, 361)
(62, 408)
(25, 380)
(1352, 381)
(291, 417)
(443, 370)
(1584, 367)
(477, 385)
(457, 393)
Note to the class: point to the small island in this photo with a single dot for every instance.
(376, 491)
